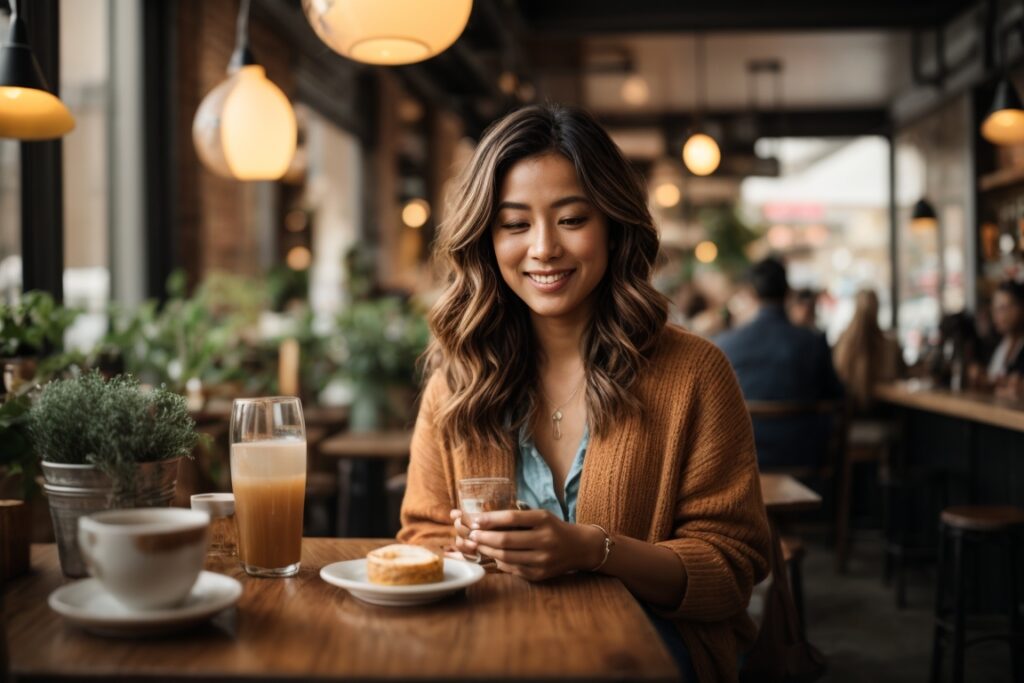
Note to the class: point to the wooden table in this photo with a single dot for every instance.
(363, 458)
(783, 493)
(580, 627)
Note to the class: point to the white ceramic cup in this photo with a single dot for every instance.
(147, 558)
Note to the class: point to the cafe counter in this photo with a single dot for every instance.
(971, 406)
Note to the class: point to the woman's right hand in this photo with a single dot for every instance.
(465, 549)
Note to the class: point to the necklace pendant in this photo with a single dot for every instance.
(556, 423)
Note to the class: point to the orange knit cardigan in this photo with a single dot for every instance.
(682, 474)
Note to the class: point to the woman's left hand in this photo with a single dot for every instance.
(534, 544)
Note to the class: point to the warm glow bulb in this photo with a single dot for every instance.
(388, 32)
(1004, 127)
(415, 213)
(635, 91)
(30, 114)
(245, 127)
(701, 154)
(706, 252)
(924, 224)
(666, 195)
(299, 258)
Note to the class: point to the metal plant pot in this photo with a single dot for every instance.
(74, 491)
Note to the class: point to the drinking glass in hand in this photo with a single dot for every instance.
(485, 494)
(268, 477)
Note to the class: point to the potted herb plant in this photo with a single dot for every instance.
(106, 444)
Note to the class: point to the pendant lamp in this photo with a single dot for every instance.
(245, 128)
(923, 218)
(701, 154)
(388, 32)
(1004, 124)
(28, 110)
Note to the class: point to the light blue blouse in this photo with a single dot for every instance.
(535, 484)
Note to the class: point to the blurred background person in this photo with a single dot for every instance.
(865, 355)
(803, 308)
(1006, 366)
(777, 361)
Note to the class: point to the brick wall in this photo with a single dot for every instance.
(217, 226)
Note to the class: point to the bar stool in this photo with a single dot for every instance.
(976, 524)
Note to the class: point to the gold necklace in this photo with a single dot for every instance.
(556, 417)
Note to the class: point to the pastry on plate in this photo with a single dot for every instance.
(403, 565)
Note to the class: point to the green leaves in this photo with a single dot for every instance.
(383, 339)
(36, 324)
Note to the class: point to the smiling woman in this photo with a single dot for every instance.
(552, 366)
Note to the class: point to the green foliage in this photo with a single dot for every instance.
(16, 456)
(111, 424)
(383, 338)
(34, 325)
(285, 285)
(731, 235)
(200, 336)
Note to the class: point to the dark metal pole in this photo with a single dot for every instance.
(894, 251)
(42, 180)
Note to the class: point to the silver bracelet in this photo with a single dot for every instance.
(608, 545)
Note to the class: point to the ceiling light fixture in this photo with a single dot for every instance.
(28, 110)
(701, 153)
(388, 32)
(1004, 124)
(923, 217)
(635, 91)
(245, 128)
(415, 213)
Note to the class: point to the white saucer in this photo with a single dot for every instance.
(351, 575)
(85, 603)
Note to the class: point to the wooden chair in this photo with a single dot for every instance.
(824, 473)
(868, 441)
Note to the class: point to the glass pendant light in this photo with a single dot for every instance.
(245, 128)
(28, 110)
(388, 32)
(701, 154)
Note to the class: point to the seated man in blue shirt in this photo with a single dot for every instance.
(778, 361)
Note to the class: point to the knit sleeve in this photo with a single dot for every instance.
(427, 503)
(721, 529)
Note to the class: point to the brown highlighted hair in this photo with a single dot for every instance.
(483, 342)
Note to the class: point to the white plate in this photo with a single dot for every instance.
(351, 575)
(86, 604)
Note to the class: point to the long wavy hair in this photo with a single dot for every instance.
(483, 342)
(864, 355)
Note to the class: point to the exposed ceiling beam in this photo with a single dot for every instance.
(789, 123)
(580, 17)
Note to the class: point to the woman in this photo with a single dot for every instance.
(1007, 363)
(864, 354)
(551, 364)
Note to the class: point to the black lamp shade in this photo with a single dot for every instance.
(923, 210)
(1004, 124)
(28, 110)
(1006, 97)
(18, 65)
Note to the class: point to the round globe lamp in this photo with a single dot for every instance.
(245, 128)
(701, 154)
(388, 32)
(415, 213)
